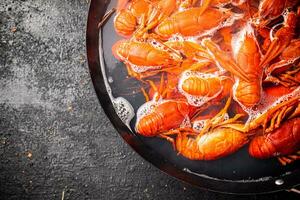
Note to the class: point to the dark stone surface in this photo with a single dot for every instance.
(54, 138)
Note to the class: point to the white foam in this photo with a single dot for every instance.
(157, 44)
(186, 122)
(141, 69)
(176, 38)
(226, 116)
(123, 108)
(198, 125)
(147, 108)
(285, 14)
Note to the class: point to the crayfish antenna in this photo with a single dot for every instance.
(106, 17)
(224, 60)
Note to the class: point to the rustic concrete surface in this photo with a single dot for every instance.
(55, 141)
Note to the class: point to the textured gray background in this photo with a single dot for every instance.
(54, 137)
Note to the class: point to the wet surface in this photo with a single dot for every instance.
(239, 166)
(55, 140)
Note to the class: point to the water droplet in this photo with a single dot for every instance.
(110, 79)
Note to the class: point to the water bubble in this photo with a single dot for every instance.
(186, 122)
(110, 79)
(198, 125)
(141, 69)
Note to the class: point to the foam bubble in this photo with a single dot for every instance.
(110, 79)
(186, 122)
(265, 106)
(146, 108)
(141, 69)
(176, 37)
(157, 44)
(226, 116)
(123, 109)
(198, 125)
(285, 14)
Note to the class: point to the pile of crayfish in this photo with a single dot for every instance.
(216, 74)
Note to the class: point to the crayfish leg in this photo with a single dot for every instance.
(106, 17)
(145, 94)
(284, 160)
(160, 90)
(161, 84)
(276, 119)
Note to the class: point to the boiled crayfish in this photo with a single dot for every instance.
(279, 140)
(213, 141)
(192, 22)
(199, 88)
(140, 16)
(158, 116)
(248, 93)
(191, 56)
